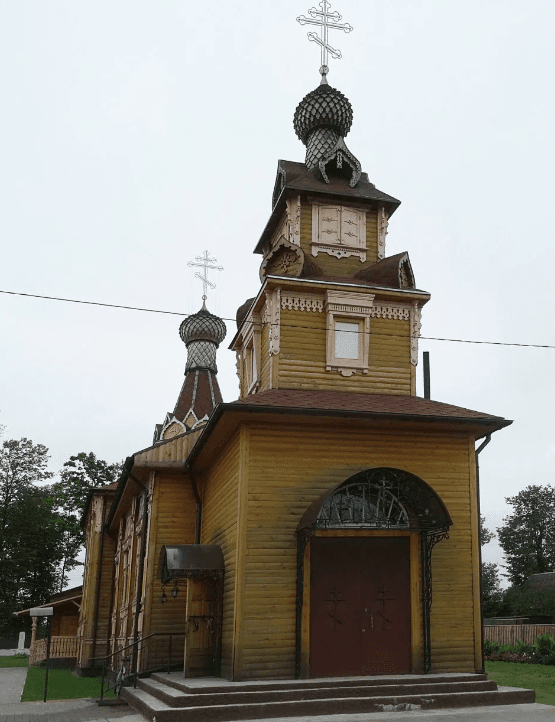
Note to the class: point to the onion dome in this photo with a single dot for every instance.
(324, 107)
(202, 333)
(322, 119)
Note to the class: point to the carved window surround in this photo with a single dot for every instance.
(271, 315)
(343, 307)
(339, 231)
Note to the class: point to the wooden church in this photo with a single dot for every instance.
(325, 523)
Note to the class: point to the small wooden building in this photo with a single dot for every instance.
(326, 522)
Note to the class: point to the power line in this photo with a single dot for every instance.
(311, 328)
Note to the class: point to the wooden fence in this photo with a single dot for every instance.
(59, 647)
(513, 633)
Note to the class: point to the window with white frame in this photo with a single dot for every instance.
(348, 332)
(251, 355)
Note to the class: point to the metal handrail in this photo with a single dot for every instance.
(128, 646)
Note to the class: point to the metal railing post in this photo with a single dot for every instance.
(102, 682)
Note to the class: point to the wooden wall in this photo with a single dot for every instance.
(220, 496)
(88, 627)
(302, 362)
(172, 520)
(291, 466)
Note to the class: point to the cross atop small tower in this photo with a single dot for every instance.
(322, 18)
(204, 261)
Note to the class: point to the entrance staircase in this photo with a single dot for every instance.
(172, 698)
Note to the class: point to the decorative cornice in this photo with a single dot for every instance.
(302, 302)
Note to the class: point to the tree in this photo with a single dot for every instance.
(492, 594)
(78, 476)
(29, 528)
(530, 602)
(485, 534)
(528, 535)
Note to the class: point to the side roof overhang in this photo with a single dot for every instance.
(226, 418)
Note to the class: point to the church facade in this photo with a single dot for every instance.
(326, 522)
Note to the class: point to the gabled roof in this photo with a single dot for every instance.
(541, 581)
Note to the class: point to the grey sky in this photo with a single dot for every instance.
(136, 134)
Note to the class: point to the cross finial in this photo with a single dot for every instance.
(322, 18)
(204, 261)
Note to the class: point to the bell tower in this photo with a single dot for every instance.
(334, 311)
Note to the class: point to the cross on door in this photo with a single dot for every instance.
(335, 598)
(383, 597)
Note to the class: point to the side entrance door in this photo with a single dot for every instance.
(359, 606)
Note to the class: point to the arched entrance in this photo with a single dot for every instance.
(364, 576)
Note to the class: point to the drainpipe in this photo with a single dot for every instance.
(98, 579)
(198, 501)
(140, 573)
(477, 453)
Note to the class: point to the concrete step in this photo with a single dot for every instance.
(180, 698)
(154, 709)
(195, 685)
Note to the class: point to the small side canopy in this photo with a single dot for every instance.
(191, 560)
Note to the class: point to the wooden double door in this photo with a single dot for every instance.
(359, 606)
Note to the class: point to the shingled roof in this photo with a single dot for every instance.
(387, 404)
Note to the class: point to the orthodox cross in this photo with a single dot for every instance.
(322, 18)
(382, 597)
(204, 261)
(335, 598)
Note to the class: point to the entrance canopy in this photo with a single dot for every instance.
(381, 498)
(191, 560)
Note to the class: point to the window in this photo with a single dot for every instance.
(339, 231)
(348, 332)
(346, 340)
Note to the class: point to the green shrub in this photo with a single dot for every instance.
(544, 650)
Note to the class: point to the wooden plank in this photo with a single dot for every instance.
(242, 499)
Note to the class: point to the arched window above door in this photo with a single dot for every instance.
(381, 498)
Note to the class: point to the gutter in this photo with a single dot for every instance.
(187, 467)
(477, 453)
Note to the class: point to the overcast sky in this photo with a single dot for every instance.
(135, 135)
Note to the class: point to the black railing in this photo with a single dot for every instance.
(123, 674)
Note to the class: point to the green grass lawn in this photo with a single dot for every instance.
(62, 684)
(539, 677)
(14, 661)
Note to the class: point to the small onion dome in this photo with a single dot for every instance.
(202, 326)
(324, 107)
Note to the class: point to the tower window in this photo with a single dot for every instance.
(346, 340)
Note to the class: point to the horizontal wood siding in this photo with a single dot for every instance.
(175, 449)
(290, 468)
(175, 524)
(219, 526)
(303, 356)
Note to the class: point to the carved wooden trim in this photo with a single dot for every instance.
(383, 222)
(348, 239)
(302, 302)
(350, 307)
(294, 219)
(415, 326)
(271, 315)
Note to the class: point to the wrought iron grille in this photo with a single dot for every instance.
(383, 499)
